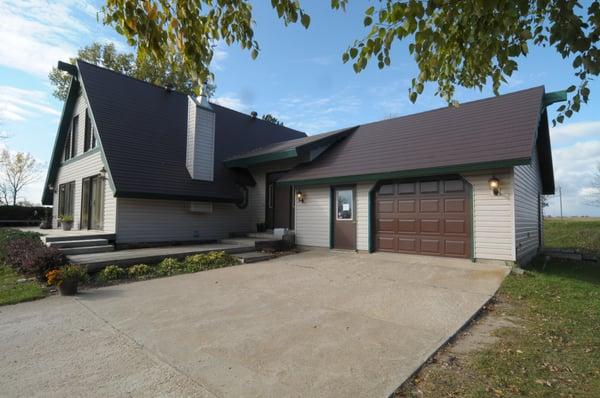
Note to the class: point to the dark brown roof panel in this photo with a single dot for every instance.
(497, 129)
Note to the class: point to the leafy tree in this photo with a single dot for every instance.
(467, 43)
(143, 68)
(16, 172)
(270, 118)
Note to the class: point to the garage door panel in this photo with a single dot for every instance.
(407, 226)
(424, 217)
(385, 206)
(455, 227)
(430, 226)
(407, 206)
(456, 248)
(386, 225)
(431, 246)
(429, 205)
(407, 244)
(455, 205)
(386, 244)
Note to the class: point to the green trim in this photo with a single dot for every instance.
(371, 219)
(555, 96)
(410, 173)
(267, 157)
(471, 218)
(69, 68)
(331, 215)
(81, 156)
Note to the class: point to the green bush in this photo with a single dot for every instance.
(202, 262)
(7, 235)
(170, 266)
(139, 271)
(112, 273)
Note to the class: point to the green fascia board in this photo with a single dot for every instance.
(63, 126)
(82, 156)
(411, 173)
(267, 157)
(555, 96)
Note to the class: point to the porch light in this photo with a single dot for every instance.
(102, 173)
(50, 187)
(494, 185)
(300, 196)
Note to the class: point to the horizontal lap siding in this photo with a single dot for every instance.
(527, 190)
(151, 220)
(493, 219)
(77, 170)
(312, 217)
(362, 215)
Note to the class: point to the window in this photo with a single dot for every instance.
(66, 199)
(344, 204)
(87, 135)
(71, 141)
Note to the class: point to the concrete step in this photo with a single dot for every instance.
(74, 236)
(246, 242)
(64, 244)
(253, 257)
(261, 235)
(88, 249)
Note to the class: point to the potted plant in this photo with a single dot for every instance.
(66, 222)
(67, 278)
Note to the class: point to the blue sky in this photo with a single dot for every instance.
(298, 77)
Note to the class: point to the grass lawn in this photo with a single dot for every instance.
(12, 292)
(572, 233)
(554, 348)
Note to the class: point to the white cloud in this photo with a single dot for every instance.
(574, 166)
(567, 133)
(231, 101)
(37, 33)
(17, 104)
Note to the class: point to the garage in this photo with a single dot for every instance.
(427, 216)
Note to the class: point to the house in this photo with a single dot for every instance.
(154, 166)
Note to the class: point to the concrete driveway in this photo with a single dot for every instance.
(319, 323)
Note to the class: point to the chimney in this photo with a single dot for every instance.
(200, 150)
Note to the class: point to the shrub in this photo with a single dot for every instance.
(201, 262)
(32, 257)
(112, 273)
(7, 235)
(139, 271)
(170, 266)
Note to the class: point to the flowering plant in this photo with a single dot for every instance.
(72, 272)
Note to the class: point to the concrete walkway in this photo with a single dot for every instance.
(316, 324)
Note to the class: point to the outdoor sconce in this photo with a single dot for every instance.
(494, 185)
(300, 196)
(50, 187)
(102, 173)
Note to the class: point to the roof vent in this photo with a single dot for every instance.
(254, 115)
(169, 88)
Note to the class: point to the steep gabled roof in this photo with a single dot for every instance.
(142, 129)
(494, 132)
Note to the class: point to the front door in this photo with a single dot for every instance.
(92, 199)
(279, 209)
(344, 218)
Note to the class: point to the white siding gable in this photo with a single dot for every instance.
(200, 141)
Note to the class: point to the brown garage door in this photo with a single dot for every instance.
(424, 217)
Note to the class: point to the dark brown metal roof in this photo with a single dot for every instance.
(143, 130)
(498, 130)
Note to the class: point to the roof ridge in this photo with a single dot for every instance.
(444, 108)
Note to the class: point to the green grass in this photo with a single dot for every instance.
(555, 349)
(12, 292)
(576, 233)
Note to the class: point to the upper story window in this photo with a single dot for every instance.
(71, 141)
(89, 138)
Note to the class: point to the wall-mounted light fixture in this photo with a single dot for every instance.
(300, 196)
(102, 173)
(50, 187)
(494, 185)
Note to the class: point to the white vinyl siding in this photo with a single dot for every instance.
(527, 221)
(76, 170)
(362, 215)
(313, 216)
(493, 217)
(200, 142)
(152, 220)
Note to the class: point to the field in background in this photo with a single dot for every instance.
(581, 233)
